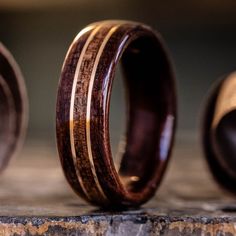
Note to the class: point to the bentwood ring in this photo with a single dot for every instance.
(82, 116)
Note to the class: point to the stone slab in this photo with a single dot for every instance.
(36, 200)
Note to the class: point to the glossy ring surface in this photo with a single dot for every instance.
(82, 116)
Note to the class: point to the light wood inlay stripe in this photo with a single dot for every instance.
(89, 97)
(88, 112)
(82, 32)
(72, 103)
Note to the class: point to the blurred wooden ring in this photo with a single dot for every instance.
(219, 132)
(13, 107)
(82, 117)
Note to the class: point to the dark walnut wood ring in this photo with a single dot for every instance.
(13, 107)
(83, 113)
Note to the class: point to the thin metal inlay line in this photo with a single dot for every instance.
(82, 32)
(78, 67)
(88, 113)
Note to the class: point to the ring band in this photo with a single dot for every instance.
(13, 107)
(218, 131)
(82, 116)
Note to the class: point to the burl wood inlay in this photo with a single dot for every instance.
(13, 107)
(83, 102)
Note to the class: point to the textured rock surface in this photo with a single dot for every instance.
(36, 200)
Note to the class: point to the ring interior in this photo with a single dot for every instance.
(151, 113)
(7, 123)
(12, 107)
(223, 139)
(221, 174)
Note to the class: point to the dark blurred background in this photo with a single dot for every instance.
(201, 37)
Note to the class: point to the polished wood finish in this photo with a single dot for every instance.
(82, 117)
(219, 132)
(13, 107)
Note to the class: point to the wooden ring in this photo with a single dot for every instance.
(13, 107)
(219, 131)
(82, 117)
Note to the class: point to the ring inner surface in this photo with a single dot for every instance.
(148, 80)
(7, 122)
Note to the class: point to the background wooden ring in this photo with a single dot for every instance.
(13, 107)
(219, 117)
(82, 116)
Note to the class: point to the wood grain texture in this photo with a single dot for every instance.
(219, 132)
(83, 102)
(13, 107)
